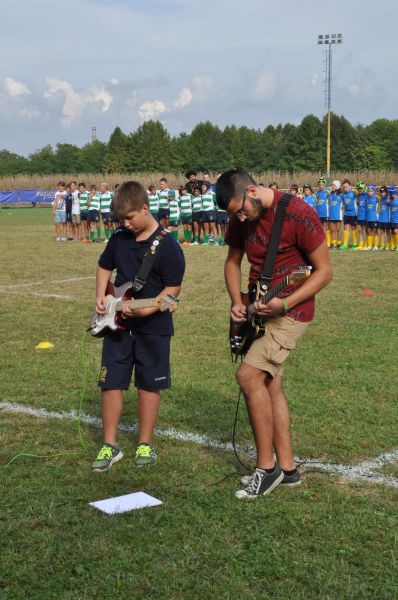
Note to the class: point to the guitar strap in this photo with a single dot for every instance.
(269, 261)
(147, 262)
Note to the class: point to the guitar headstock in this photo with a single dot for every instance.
(297, 277)
(168, 302)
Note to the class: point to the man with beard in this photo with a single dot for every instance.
(252, 210)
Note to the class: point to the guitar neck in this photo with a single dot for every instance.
(275, 290)
(144, 303)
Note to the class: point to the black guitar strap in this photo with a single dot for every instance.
(147, 262)
(269, 261)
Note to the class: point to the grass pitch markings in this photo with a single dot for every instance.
(364, 471)
(54, 281)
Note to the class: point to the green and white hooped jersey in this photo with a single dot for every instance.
(106, 199)
(83, 197)
(163, 196)
(174, 213)
(196, 204)
(153, 200)
(208, 201)
(185, 205)
(95, 202)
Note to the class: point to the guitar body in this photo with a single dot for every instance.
(112, 319)
(242, 335)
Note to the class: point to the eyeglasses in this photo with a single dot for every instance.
(241, 212)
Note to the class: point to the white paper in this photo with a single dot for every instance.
(121, 504)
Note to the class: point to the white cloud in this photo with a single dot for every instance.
(265, 86)
(354, 89)
(75, 102)
(114, 81)
(201, 87)
(184, 98)
(150, 109)
(29, 112)
(15, 88)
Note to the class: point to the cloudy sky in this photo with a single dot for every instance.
(65, 67)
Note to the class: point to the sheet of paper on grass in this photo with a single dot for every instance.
(121, 504)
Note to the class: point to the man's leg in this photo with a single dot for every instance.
(111, 410)
(259, 406)
(148, 408)
(281, 424)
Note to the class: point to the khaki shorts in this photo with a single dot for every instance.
(76, 219)
(271, 350)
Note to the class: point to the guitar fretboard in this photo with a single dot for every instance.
(275, 290)
(144, 303)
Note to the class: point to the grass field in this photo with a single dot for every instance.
(330, 538)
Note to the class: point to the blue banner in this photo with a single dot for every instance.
(10, 197)
(36, 195)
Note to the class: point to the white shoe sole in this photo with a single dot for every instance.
(240, 494)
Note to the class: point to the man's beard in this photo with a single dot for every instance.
(256, 203)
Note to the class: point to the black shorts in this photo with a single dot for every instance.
(69, 216)
(361, 222)
(186, 220)
(393, 226)
(323, 219)
(123, 351)
(222, 217)
(372, 224)
(106, 217)
(208, 216)
(83, 216)
(334, 220)
(350, 221)
(384, 226)
(164, 213)
(93, 216)
(197, 217)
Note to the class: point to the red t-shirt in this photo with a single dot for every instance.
(302, 232)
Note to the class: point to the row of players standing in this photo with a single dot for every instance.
(194, 207)
(370, 217)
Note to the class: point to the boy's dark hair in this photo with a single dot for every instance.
(93, 186)
(151, 187)
(163, 179)
(181, 189)
(230, 184)
(73, 181)
(82, 183)
(273, 183)
(61, 183)
(130, 195)
(189, 173)
(346, 181)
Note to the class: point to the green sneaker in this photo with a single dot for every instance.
(145, 455)
(344, 247)
(107, 456)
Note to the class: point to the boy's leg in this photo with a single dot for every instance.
(111, 410)
(148, 409)
(281, 422)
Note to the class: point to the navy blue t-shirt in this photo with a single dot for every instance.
(125, 254)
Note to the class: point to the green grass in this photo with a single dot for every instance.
(328, 539)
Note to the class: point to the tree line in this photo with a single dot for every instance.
(288, 148)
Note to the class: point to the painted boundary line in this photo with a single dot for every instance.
(364, 471)
(30, 284)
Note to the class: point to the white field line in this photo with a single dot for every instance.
(54, 281)
(59, 296)
(364, 471)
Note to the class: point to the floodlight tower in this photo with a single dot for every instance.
(329, 39)
(93, 134)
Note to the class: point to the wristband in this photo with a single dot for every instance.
(285, 306)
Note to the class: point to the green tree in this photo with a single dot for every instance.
(181, 154)
(42, 161)
(13, 164)
(149, 148)
(67, 158)
(208, 147)
(115, 156)
(92, 157)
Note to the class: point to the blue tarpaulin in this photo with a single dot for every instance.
(10, 197)
(26, 196)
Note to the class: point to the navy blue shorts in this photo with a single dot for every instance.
(122, 351)
(106, 217)
(334, 220)
(186, 220)
(164, 213)
(93, 216)
(372, 224)
(350, 220)
(209, 216)
(361, 222)
(393, 226)
(323, 219)
(174, 222)
(197, 217)
(83, 216)
(384, 226)
(222, 217)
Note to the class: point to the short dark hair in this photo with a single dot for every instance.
(163, 179)
(346, 181)
(82, 183)
(152, 187)
(130, 195)
(189, 173)
(230, 184)
(61, 183)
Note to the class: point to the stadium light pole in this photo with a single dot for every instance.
(329, 40)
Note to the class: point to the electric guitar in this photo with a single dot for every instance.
(118, 297)
(242, 335)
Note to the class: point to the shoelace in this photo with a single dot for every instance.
(253, 486)
(105, 452)
(144, 450)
